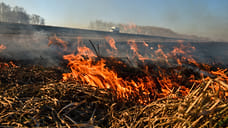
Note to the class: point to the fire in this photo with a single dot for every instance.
(6, 65)
(85, 69)
(93, 69)
(183, 53)
(134, 48)
(57, 41)
(145, 44)
(2, 47)
(111, 42)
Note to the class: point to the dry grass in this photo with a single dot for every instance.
(202, 107)
(36, 97)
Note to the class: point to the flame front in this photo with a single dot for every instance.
(87, 71)
(88, 68)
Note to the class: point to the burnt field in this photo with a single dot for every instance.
(69, 78)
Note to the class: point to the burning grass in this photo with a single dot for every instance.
(35, 96)
(202, 107)
(98, 91)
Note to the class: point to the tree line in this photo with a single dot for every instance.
(18, 15)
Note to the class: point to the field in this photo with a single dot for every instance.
(70, 79)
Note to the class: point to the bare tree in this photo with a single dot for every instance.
(18, 15)
(4, 12)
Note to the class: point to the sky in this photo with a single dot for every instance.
(208, 18)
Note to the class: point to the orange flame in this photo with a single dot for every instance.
(185, 53)
(97, 74)
(85, 69)
(145, 44)
(2, 47)
(88, 68)
(7, 65)
(57, 41)
(111, 42)
(161, 54)
(134, 48)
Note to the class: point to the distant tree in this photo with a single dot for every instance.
(18, 15)
(42, 21)
(21, 15)
(35, 19)
(4, 12)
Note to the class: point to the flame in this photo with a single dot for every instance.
(134, 48)
(145, 44)
(57, 41)
(13, 65)
(88, 68)
(99, 75)
(161, 54)
(111, 42)
(2, 47)
(7, 65)
(87, 71)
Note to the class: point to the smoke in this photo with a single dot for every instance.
(31, 48)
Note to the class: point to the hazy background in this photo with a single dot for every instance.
(206, 18)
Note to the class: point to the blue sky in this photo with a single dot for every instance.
(196, 17)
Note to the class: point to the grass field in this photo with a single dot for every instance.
(52, 84)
